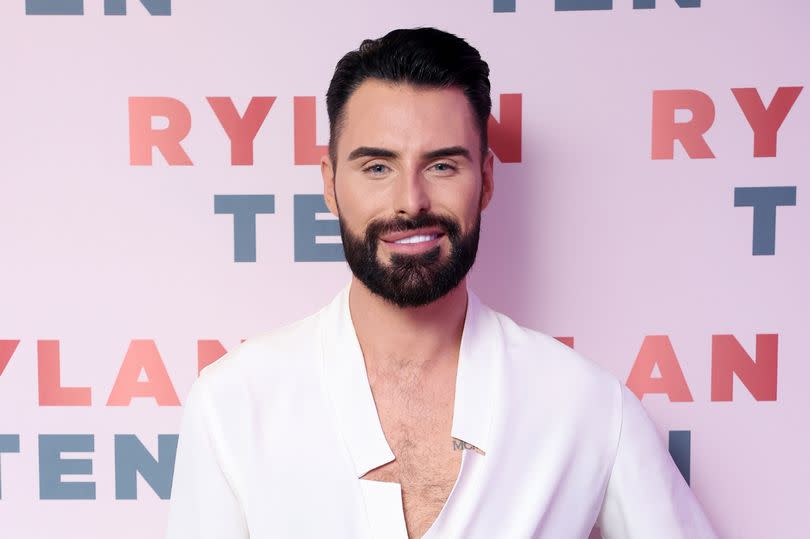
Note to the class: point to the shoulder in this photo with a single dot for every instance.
(552, 368)
(530, 348)
(556, 396)
(265, 360)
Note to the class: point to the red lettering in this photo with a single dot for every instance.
(241, 130)
(766, 121)
(7, 348)
(657, 350)
(51, 392)
(306, 149)
(665, 130)
(143, 355)
(729, 357)
(142, 137)
(506, 136)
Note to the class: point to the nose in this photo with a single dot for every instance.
(412, 195)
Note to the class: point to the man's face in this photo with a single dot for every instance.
(408, 189)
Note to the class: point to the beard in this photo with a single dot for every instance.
(411, 280)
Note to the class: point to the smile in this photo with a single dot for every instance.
(418, 238)
(413, 242)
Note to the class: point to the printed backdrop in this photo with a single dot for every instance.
(160, 201)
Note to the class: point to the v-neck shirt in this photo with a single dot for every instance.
(278, 433)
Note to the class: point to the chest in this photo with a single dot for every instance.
(426, 461)
(426, 471)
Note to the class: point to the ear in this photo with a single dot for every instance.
(328, 173)
(487, 179)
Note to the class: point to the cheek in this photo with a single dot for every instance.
(355, 206)
(462, 205)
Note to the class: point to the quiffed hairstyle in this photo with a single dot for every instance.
(420, 56)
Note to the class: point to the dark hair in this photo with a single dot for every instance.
(425, 57)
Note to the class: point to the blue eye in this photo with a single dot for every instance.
(446, 167)
(376, 169)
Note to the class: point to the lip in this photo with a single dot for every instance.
(412, 248)
(394, 236)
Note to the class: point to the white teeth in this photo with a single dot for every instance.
(418, 238)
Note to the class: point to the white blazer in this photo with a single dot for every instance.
(277, 434)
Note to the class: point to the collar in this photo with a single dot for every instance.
(347, 381)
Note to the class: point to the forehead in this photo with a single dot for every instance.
(404, 117)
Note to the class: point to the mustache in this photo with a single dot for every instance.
(385, 226)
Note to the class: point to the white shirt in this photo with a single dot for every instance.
(277, 434)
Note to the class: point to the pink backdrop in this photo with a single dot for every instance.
(587, 236)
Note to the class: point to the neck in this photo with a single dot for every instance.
(410, 337)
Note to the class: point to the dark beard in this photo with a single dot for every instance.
(411, 280)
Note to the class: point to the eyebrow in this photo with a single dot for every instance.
(450, 151)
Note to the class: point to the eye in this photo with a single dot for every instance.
(444, 167)
(377, 169)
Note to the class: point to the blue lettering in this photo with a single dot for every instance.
(510, 6)
(680, 448)
(154, 7)
(52, 467)
(764, 200)
(307, 227)
(244, 209)
(9, 443)
(76, 7)
(54, 7)
(132, 457)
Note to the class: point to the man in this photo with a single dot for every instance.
(406, 407)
